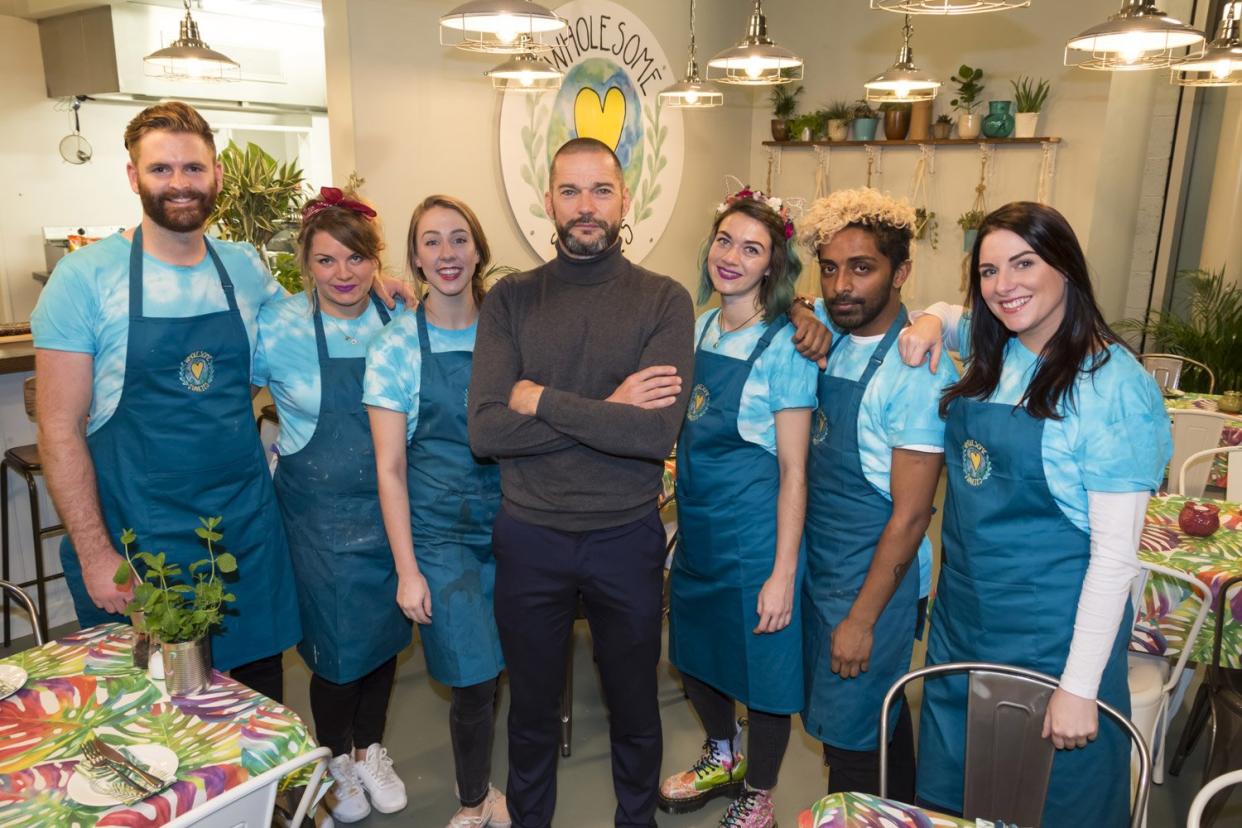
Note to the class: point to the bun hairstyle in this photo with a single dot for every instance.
(476, 233)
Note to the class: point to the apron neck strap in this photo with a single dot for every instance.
(766, 340)
(424, 341)
(135, 275)
(881, 350)
(384, 316)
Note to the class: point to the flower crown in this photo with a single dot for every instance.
(333, 197)
(773, 203)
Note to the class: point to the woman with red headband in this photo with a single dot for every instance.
(311, 354)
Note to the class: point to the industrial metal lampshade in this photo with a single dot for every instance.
(506, 27)
(189, 58)
(691, 92)
(525, 72)
(756, 60)
(948, 6)
(1221, 62)
(903, 82)
(1140, 36)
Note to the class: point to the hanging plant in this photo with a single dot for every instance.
(926, 227)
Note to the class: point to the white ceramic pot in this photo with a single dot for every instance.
(838, 129)
(1025, 124)
(968, 125)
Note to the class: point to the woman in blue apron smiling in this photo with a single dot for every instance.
(312, 355)
(735, 623)
(1055, 438)
(438, 499)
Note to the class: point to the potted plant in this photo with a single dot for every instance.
(1029, 98)
(864, 122)
(803, 127)
(180, 615)
(839, 115)
(970, 222)
(967, 80)
(258, 197)
(926, 227)
(784, 100)
(941, 128)
(896, 120)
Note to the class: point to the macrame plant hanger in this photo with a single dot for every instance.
(924, 167)
(980, 205)
(1047, 171)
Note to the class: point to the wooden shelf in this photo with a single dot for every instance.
(939, 142)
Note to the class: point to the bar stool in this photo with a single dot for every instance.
(25, 461)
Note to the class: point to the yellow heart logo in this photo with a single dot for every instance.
(975, 460)
(196, 368)
(602, 120)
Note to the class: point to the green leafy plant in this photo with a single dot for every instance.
(173, 611)
(809, 121)
(285, 269)
(1029, 96)
(927, 227)
(784, 100)
(971, 220)
(495, 273)
(862, 109)
(258, 197)
(968, 88)
(839, 111)
(944, 118)
(1210, 330)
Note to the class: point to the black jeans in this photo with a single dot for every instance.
(766, 741)
(352, 715)
(472, 714)
(263, 675)
(859, 770)
(619, 572)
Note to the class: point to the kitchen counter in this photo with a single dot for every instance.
(16, 354)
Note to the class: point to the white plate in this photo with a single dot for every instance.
(160, 761)
(11, 676)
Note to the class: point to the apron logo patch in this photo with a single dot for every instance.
(700, 400)
(976, 465)
(819, 427)
(197, 371)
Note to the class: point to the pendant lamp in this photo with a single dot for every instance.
(526, 72)
(189, 58)
(755, 60)
(1221, 62)
(505, 27)
(691, 92)
(1140, 36)
(948, 6)
(903, 82)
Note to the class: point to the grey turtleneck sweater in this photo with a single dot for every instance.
(579, 327)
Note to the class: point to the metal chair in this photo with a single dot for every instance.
(1201, 800)
(1218, 703)
(36, 627)
(1233, 484)
(25, 461)
(252, 803)
(1167, 370)
(1194, 431)
(1156, 686)
(1008, 763)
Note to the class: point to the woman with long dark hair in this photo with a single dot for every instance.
(735, 624)
(1055, 439)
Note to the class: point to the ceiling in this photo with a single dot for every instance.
(35, 9)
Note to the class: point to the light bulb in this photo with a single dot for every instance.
(507, 29)
(901, 90)
(526, 79)
(754, 68)
(692, 97)
(1131, 52)
(1223, 68)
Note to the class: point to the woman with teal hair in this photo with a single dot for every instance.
(735, 626)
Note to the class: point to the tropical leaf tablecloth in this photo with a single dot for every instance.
(1167, 612)
(1231, 435)
(856, 810)
(86, 684)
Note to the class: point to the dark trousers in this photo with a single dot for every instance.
(859, 770)
(472, 715)
(353, 714)
(766, 741)
(540, 573)
(263, 675)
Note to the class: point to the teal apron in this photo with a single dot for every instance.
(845, 517)
(1009, 586)
(453, 501)
(182, 444)
(726, 513)
(329, 498)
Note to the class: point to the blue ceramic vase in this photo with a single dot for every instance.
(998, 123)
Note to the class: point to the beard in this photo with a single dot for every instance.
(178, 218)
(858, 313)
(588, 248)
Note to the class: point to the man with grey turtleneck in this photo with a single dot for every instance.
(581, 374)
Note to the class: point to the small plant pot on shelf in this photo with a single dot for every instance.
(897, 124)
(920, 121)
(940, 130)
(1025, 124)
(863, 129)
(998, 123)
(838, 129)
(968, 239)
(968, 125)
(780, 129)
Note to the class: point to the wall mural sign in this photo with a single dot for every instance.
(614, 70)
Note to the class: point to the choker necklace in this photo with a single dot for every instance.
(720, 330)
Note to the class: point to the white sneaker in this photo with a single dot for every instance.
(347, 801)
(385, 788)
(499, 807)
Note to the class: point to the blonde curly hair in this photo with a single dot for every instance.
(866, 206)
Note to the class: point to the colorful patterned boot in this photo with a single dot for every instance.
(753, 809)
(715, 774)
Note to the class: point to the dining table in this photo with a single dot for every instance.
(860, 810)
(85, 686)
(1167, 610)
(1230, 435)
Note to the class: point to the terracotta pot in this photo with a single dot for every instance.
(838, 129)
(1199, 519)
(896, 124)
(780, 129)
(968, 125)
(920, 121)
(941, 130)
